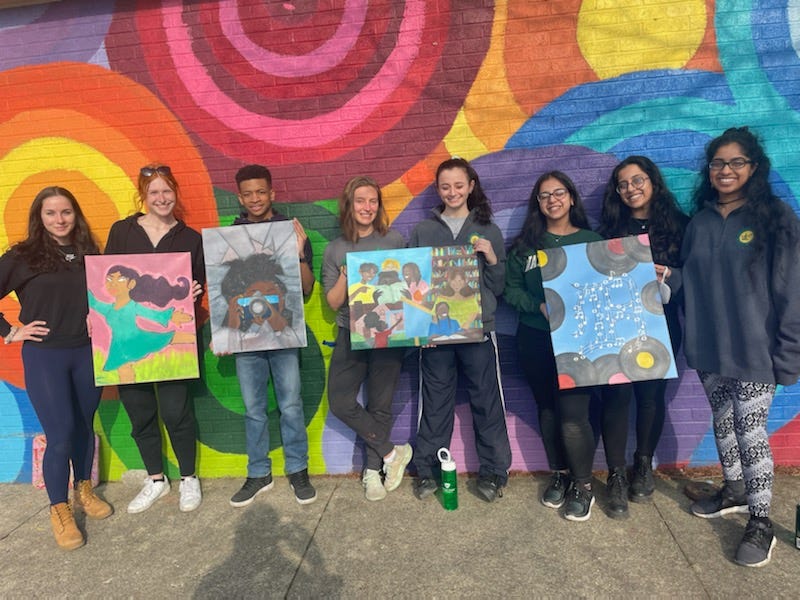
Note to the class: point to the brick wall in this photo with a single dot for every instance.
(91, 91)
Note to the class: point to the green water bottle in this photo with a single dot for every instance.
(449, 480)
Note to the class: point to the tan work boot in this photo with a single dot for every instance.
(85, 498)
(66, 532)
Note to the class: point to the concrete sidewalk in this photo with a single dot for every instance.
(345, 547)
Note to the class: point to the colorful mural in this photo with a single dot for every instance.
(322, 91)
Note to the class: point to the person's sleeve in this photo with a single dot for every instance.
(330, 270)
(199, 263)
(116, 239)
(785, 285)
(160, 316)
(494, 276)
(6, 287)
(516, 292)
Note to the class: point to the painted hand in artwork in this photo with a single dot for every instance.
(179, 317)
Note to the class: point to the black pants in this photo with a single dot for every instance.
(381, 370)
(563, 414)
(439, 370)
(143, 403)
(60, 384)
(650, 415)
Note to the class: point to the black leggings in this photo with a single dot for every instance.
(60, 384)
(143, 407)
(563, 415)
(650, 414)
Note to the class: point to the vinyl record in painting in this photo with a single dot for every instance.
(574, 371)
(555, 308)
(644, 358)
(609, 370)
(651, 298)
(552, 261)
(638, 248)
(608, 257)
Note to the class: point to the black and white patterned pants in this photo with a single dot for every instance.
(740, 410)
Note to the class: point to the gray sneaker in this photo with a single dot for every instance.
(724, 502)
(756, 547)
(252, 487)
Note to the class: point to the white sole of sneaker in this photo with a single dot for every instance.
(139, 509)
(720, 513)
(303, 500)
(579, 519)
(763, 562)
(251, 500)
(552, 504)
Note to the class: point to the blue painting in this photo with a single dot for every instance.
(606, 314)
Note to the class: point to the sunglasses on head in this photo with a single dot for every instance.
(150, 171)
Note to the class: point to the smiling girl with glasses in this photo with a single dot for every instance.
(637, 201)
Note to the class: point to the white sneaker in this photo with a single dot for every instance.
(151, 491)
(191, 496)
(394, 470)
(373, 485)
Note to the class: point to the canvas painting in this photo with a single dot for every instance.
(606, 314)
(142, 317)
(413, 297)
(255, 294)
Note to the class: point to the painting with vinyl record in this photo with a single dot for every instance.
(413, 297)
(606, 314)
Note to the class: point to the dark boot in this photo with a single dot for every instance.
(617, 491)
(642, 483)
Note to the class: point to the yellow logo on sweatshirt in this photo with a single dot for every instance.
(746, 236)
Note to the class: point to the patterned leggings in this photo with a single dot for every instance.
(740, 411)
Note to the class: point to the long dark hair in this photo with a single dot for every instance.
(156, 290)
(477, 199)
(535, 224)
(665, 224)
(765, 209)
(39, 250)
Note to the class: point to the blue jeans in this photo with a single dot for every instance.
(253, 370)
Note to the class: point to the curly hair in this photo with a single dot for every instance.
(151, 288)
(666, 221)
(535, 224)
(764, 208)
(39, 250)
(477, 199)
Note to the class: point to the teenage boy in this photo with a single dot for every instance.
(254, 183)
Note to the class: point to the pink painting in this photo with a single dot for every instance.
(141, 316)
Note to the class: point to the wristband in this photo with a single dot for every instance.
(10, 337)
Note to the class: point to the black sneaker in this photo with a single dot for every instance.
(556, 491)
(252, 487)
(304, 492)
(642, 483)
(724, 502)
(617, 490)
(490, 487)
(580, 499)
(755, 550)
(425, 487)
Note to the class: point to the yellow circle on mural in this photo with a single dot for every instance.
(629, 35)
(645, 360)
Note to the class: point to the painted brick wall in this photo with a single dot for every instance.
(91, 91)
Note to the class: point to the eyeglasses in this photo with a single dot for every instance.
(150, 171)
(636, 182)
(736, 163)
(558, 194)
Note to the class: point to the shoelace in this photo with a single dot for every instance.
(756, 534)
(616, 483)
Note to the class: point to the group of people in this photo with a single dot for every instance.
(732, 268)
